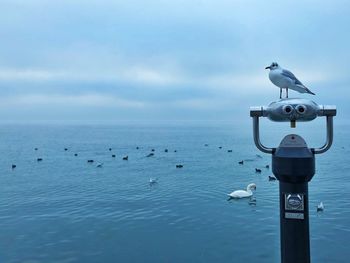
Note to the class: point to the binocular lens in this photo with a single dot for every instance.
(287, 109)
(301, 109)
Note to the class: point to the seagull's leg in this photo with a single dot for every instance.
(287, 92)
(280, 93)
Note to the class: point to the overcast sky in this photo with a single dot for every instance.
(166, 60)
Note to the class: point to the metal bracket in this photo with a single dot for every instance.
(257, 112)
(329, 111)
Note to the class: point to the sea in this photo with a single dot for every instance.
(63, 209)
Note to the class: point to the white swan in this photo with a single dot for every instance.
(243, 193)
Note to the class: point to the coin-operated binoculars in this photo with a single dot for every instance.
(293, 164)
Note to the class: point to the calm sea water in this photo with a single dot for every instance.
(63, 209)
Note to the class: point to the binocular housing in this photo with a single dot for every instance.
(287, 110)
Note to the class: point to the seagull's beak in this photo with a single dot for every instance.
(269, 67)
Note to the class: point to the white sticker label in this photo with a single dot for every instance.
(294, 215)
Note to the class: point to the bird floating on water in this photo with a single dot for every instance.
(272, 178)
(257, 170)
(125, 158)
(284, 79)
(99, 165)
(320, 207)
(243, 193)
(153, 180)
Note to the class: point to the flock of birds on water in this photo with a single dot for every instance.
(237, 194)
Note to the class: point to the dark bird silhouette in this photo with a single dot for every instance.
(272, 178)
(13, 166)
(241, 162)
(149, 155)
(125, 158)
(90, 161)
(113, 155)
(39, 159)
(257, 170)
(179, 166)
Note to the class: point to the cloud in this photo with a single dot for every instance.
(93, 100)
(166, 55)
(15, 74)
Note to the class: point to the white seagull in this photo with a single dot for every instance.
(153, 180)
(284, 79)
(320, 207)
(243, 193)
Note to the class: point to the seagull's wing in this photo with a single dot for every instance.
(297, 82)
(290, 75)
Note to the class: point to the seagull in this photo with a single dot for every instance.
(320, 207)
(153, 180)
(284, 79)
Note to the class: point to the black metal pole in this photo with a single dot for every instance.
(293, 163)
(294, 223)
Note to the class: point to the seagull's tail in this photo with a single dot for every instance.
(305, 89)
(309, 91)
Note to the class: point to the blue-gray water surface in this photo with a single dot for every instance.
(63, 209)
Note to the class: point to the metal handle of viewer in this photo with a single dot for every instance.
(329, 138)
(256, 135)
(255, 113)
